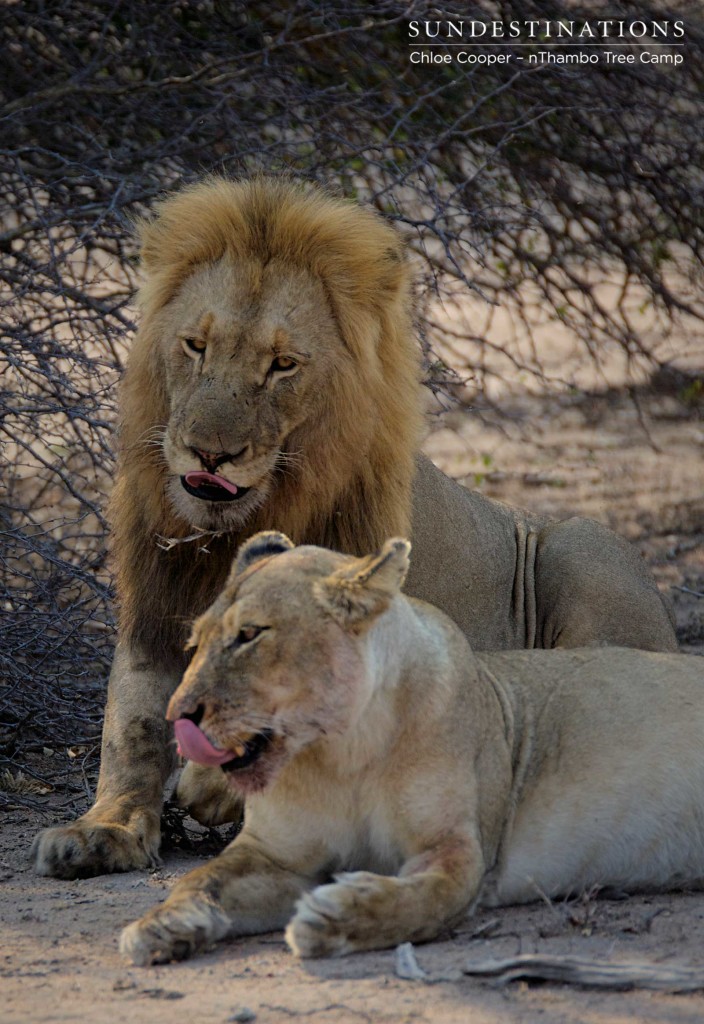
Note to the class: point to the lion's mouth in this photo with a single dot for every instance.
(211, 487)
(251, 751)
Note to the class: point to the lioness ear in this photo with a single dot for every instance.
(261, 545)
(359, 592)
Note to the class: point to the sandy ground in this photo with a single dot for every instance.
(60, 961)
(634, 463)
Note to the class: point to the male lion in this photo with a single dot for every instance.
(368, 738)
(274, 383)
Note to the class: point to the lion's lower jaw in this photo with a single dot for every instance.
(223, 516)
(257, 777)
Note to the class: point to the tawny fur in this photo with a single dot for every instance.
(327, 453)
(405, 778)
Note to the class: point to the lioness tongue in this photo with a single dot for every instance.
(196, 478)
(195, 745)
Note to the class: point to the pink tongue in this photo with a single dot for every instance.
(201, 477)
(195, 745)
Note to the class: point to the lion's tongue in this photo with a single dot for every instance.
(199, 477)
(195, 745)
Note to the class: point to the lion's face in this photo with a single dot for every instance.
(248, 351)
(280, 658)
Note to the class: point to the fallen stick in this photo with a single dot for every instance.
(589, 973)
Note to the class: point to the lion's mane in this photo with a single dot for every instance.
(353, 486)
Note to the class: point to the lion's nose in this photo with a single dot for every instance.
(211, 460)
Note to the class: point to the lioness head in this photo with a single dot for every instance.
(279, 661)
(272, 351)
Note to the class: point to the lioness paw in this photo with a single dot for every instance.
(173, 932)
(339, 918)
(83, 849)
(314, 930)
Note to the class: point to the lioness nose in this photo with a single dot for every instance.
(211, 460)
(184, 707)
(194, 716)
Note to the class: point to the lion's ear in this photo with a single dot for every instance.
(261, 545)
(355, 595)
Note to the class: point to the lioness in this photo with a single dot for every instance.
(274, 383)
(394, 778)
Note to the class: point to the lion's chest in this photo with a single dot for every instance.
(358, 830)
(325, 821)
(354, 823)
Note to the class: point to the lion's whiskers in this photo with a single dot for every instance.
(288, 463)
(290, 458)
(152, 442)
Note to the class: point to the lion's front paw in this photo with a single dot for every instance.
(340, 918)
(207, 796)
(86, 848)
(174, 931)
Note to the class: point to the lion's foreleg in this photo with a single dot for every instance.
(121, 831)
(241, 892)
(361, 910)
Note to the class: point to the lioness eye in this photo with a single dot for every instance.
(196, 345)
(245, 636)
(282, 363)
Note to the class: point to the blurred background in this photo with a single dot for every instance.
(555, 219)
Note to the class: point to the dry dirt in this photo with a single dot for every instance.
(632, 462)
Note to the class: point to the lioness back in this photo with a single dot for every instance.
(610, 786)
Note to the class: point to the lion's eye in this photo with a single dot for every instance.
(194, 346)
(281, 364)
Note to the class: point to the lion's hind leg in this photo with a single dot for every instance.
(593, 589)
(206, 795)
